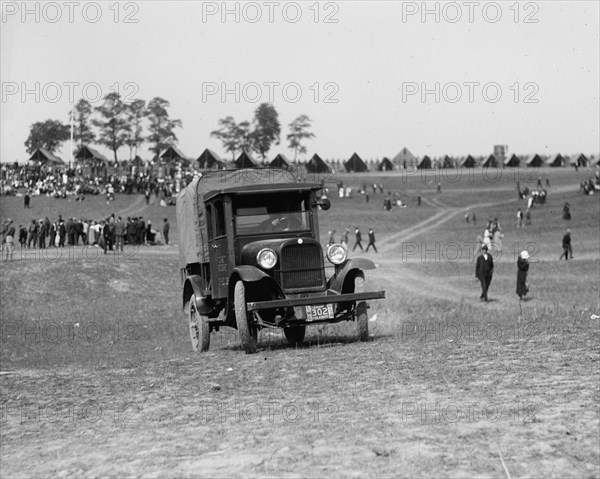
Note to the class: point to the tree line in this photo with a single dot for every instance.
(115, 124)
(264, 131)
(112, 124)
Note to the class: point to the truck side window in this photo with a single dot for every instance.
(219, 219)
(209, 220)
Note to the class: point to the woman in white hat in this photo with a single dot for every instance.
(522, 269)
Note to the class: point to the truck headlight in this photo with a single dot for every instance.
(266, 258)
(336, 253)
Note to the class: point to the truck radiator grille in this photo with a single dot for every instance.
(302, 267)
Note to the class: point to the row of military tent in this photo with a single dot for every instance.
(514, 161)
(209, 160)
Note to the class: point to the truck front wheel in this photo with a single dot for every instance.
(199, 328)
(247, 331)
(360, 314)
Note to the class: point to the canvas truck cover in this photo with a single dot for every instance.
(191, 214)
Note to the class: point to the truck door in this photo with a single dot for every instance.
(218, 247)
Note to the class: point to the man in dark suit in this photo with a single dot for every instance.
(70, 231)
(358, 240)
(371, 240)
(566, 244)
(141, 231)
(166, 228)
(132, 231)
(484, 269)
(78, 226)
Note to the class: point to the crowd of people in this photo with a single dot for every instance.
(60, 182)
(110, 234)
(390, 199)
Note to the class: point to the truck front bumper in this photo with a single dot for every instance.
(310, 300)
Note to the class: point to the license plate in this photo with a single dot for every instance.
(319, 311)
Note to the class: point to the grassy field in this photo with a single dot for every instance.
(98, 377)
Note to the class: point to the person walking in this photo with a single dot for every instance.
(166, 228)
(371, 240)
(484, 270)
(519, 218)
(566, 244)
(567, 212)
(522, 269)
(345, 239)
(358, 240)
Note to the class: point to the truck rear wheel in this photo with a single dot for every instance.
(247, 331)
(295, 336)
(199, 328)
(360, 314)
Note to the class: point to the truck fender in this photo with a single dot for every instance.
(349, 269)
(194, 284)
(248, 274)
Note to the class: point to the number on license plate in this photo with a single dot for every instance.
(319, 311)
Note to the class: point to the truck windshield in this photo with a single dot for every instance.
(262, 214)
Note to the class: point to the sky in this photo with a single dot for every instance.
(438, 78)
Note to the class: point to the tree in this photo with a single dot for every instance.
(227, 134)
(161, 126)
(112, 122)
(245, 136)
(82, 125)
(266, 129)
(299, 131)
(49, 135)
(134, 113)
(234, 136)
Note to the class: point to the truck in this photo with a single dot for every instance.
(251, 258)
